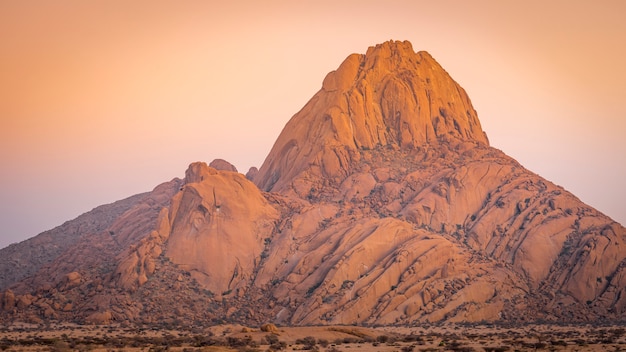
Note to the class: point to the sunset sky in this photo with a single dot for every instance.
(103, 99)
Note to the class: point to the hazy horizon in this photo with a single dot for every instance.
(102, 100)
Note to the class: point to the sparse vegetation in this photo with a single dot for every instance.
(309, 343)
(491, 338)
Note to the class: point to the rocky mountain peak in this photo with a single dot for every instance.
(391, 96)
(384, 205)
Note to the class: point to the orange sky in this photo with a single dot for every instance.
(103, 99)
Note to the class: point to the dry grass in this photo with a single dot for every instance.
(317, 338)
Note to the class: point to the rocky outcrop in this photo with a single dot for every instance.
(221, 164)
(390, 96)
(8, 300)
(139, 262)
(380, 203)
(391, 136)
(219, 222)
(453, 238)
(252, 172)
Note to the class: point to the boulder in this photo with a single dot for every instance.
(223, 165)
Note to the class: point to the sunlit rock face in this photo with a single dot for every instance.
(381, 202)
(392, 145)
(219, 222)
(390, 96)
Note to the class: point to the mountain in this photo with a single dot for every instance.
(381, 202)
(389, 97)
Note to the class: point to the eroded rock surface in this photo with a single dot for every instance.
(381, 202)
(219, 223)
(390, 96)
(221, 164)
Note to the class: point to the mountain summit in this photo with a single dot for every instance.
(390, 96)
(381, 202)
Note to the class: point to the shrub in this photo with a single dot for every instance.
(275, 344)
(271, 338)
(237, 342)
(558, 343)
(308, 342)
(540, 345)
(496, 349)
(408, 348)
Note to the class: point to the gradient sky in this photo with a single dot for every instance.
(103, 99)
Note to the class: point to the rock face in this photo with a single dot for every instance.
(381, 202)
(252, 172)
(221, 164)
(389, 97)
(218, 222)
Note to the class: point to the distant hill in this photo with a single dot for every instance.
(23, 259)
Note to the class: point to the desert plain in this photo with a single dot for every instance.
(442, 337)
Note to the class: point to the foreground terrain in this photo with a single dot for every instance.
(26, 337)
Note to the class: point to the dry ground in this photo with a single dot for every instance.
(22, 337)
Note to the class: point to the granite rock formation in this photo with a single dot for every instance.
(381, 202)
(217, 228)
(221, 164)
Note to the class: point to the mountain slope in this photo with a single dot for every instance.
(455, 238)
(23, 259)
(381, 202)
